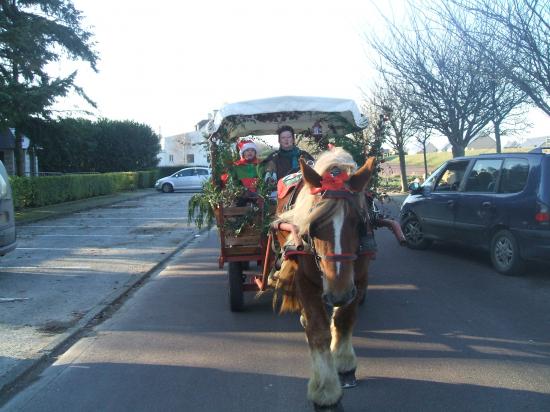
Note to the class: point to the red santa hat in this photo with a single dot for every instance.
(245, 145)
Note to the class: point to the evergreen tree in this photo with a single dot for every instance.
(33, 34)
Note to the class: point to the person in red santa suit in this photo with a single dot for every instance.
(245, 170)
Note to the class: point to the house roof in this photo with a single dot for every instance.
(482, 142)
(430, 148)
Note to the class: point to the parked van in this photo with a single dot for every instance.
(7, 216)
(500, 202)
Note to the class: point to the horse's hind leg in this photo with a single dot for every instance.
(345, 360)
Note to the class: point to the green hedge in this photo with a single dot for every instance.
(49, 190)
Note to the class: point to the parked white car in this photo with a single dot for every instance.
(7, 215)
(189, 178)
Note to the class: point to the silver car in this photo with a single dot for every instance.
(7, 215)
(189, 178)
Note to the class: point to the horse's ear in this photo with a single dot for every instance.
(311, 177)
(361, 177)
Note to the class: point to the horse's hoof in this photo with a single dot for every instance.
(347, 379)
(337, 407)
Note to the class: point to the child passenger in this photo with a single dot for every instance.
(245, 170)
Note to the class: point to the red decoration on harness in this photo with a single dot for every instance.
(330, 182)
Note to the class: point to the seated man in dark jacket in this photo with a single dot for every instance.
(285, 160)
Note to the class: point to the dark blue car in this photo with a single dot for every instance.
(500, 202)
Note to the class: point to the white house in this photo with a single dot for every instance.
(184, 149)
(7, 153)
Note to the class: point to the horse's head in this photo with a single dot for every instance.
(336, 220)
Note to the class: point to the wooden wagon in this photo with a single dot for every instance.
(249, 254)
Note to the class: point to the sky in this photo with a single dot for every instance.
(170, 63)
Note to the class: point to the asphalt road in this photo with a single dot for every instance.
(65, 270)
(440, 330)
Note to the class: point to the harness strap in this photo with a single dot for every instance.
(291, 250)
(340, 257)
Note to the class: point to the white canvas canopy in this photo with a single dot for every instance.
(264, 116)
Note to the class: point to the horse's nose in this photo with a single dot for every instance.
(342, 300)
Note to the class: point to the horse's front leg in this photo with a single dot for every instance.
(343, 321)
(324, 387)
(341, 346)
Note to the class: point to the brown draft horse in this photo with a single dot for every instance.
(331, 270)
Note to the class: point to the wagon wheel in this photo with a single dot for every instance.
(236, 294)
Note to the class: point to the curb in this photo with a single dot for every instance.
(95, 316)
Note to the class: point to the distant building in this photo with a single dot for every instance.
(184, 149)
(536, 142)
(7, 153)
(430, 148)
(482, 142)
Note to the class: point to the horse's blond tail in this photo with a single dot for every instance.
(287, 288)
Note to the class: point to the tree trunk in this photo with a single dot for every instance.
(497, 136)
(19, 153)
(458, 151)
(425, 160)
(403, 167)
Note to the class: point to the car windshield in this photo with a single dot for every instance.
(431, 179)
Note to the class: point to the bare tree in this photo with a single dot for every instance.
(520, 46)
(507, 102)
(386, 99)
(446, 83)
(453, 86)
(422, 137)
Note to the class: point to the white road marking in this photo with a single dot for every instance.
(73, 248)
(47, 267)
(136, 218)
(62, 235)
(88, 227)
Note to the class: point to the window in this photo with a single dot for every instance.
(190, 158)
(185, 173)
(514, 175)
(452, 175)
(483, 176)
(171, 158)
(202, 172)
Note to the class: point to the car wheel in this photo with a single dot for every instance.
(167, 188)
(505, 254)
(412, 229)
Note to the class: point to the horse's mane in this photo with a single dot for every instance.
(302, 213)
